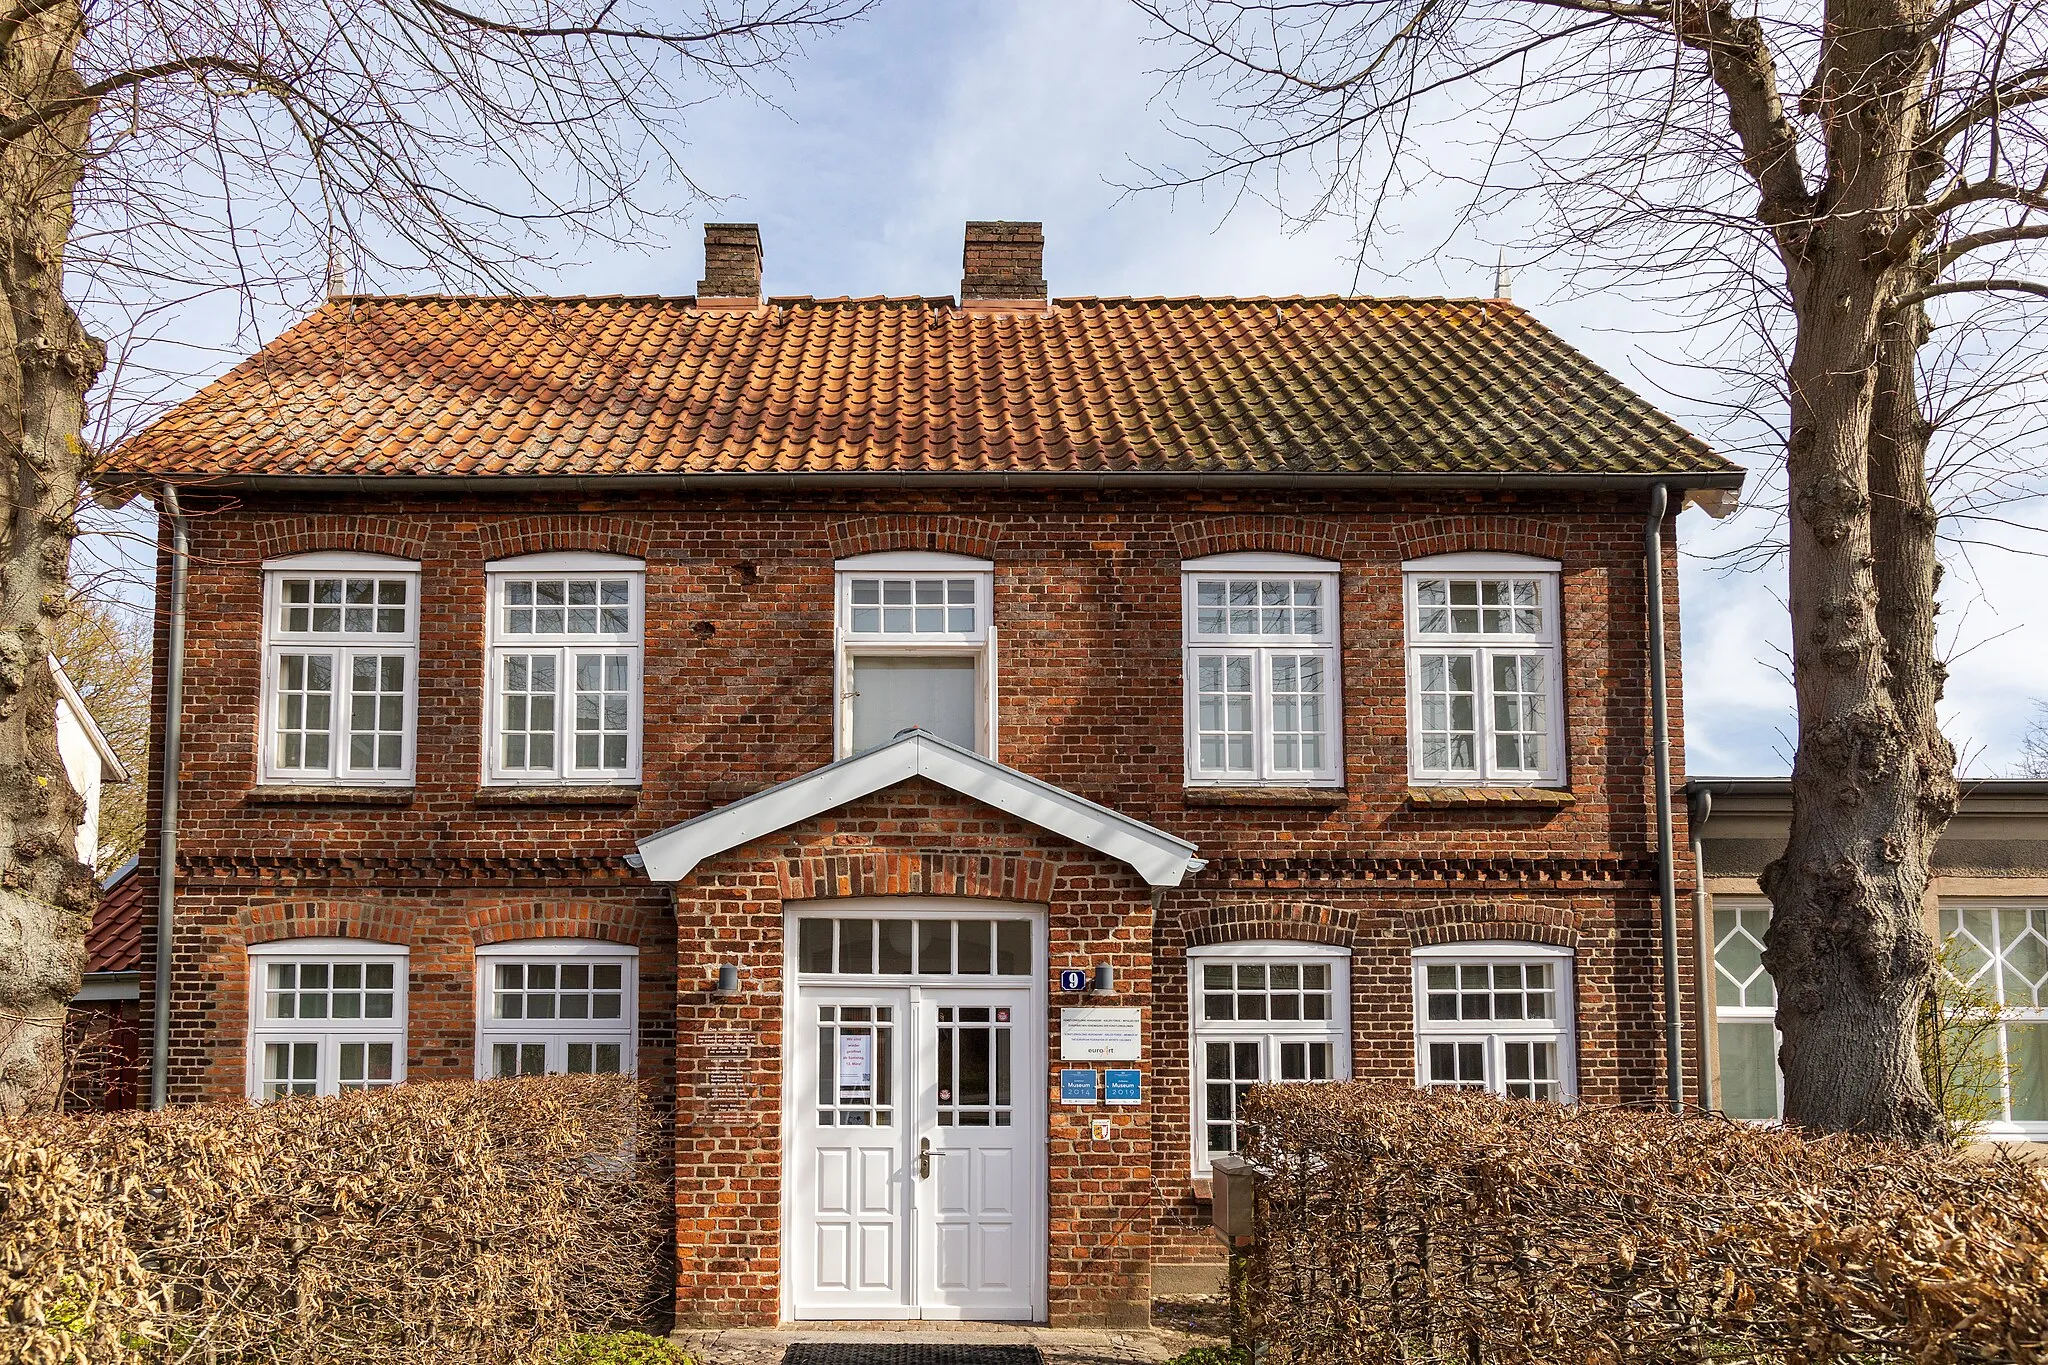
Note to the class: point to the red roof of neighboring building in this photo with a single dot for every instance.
(371, 387)
(114, 942)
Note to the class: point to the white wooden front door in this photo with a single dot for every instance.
(916, 1144)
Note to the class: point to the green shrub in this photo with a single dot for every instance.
(623, 1348)
(1212, 1355)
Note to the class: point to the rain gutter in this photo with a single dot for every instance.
(1660, 736)
(167, 818)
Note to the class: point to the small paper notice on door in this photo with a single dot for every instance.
(856, 1063)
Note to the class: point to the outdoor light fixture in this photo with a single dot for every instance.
(728, 981)
(1105, 979)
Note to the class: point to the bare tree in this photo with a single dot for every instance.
(154, 150)
(1839, 177)
(2034, 744)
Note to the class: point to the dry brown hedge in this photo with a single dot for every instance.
(461, 1222)
(1400, 1225)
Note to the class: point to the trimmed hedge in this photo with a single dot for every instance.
(476, 1222)
(1402, 1225)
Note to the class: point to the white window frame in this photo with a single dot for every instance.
(327, 1036)
(1496, 1034)
(1269, 1033)
(556, 1035)
(1742, 1013)
(1326, 643)
(1484, 648)
(2004, 1129)
(500, 644)
(344, 647)
(978, 644)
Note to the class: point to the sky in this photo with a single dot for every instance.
(889, 135)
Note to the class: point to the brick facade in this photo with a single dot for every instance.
(738, 696)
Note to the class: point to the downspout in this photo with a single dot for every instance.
(1660, 731)
(167, 818)
(1700, 809)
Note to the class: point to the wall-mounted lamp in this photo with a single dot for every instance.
(728, 981)
(1105, 980)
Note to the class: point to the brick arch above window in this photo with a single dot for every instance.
(1248, 920)
(946, 535)
(1282, 535)
(534, 535)
(508, 920)
(280, 536)
(1004, 877)
(370, 921)
(1503, 920)
(1518, 535)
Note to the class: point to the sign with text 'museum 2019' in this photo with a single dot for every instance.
(1100, 1033)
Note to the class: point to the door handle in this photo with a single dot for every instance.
(925, 1154)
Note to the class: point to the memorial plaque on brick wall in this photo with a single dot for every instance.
(727, 1088)
(726, 1044)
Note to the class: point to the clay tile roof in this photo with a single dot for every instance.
(114, 942)
(484, 387)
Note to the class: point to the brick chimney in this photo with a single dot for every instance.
(1003, 265)
(732, 266)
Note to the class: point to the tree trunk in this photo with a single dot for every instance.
(1873, 782)
(47, 362)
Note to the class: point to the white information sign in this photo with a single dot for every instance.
(856, 1062)
(1098, 1033)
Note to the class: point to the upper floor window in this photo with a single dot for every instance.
(325, 1015)
(1262, 702)
(1263, 1012)
(1495, 1017)
(340, 659)
(915, 649)
(1484, 698)
(554, 1006)
(565, 639)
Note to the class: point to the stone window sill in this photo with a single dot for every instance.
(1204, 1190)
(1480, 797)
(328, 796)
(1320, 798)
(558, 796)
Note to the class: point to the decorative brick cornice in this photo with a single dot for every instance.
(1474, 921)
(372, 921)
(290, 869)
(1240, 921)
(1561, 870)
(533, 535)
(914, 531)
(296, 535)
(983, 876)
(503, 921)
(1285, 535)
(1502, 534)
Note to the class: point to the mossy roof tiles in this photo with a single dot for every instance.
(536, 387)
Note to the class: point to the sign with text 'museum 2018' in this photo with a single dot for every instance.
(1101, 1033)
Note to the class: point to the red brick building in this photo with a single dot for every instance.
(955, 747)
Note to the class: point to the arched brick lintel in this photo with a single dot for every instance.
(1281, 535)
(557, 534)
(370, 921)
(1509, 534)
(992, 876)
(943, 534)
(1474, 922)
(1245, 921)
(279, 536)
(507, 921)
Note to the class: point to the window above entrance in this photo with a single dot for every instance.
(923, 947)
(915, 650)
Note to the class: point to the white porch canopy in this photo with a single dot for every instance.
(1162, 859)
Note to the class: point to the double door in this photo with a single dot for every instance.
(916, 1153)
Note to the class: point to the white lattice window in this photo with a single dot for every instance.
(1263, 703)
(1484, 692)
(326, 1015)
(1268, 1011)
(565, 639)
(2005, 949)
(340, 658)
(554, 1006)
(1745, 1013)
(1495, 1017)
(915, 650)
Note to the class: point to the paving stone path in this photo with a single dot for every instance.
(1178, 1325)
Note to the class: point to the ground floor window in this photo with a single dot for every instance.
(2004, 949)
(1745, 1012)
(1495, 1017)
(326, 1015)
(556, 1006)
(1268, 1011)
